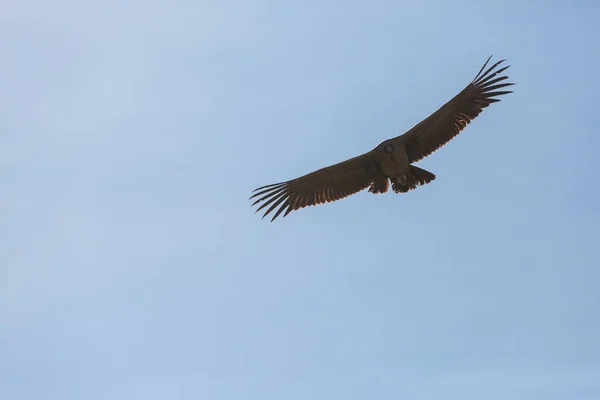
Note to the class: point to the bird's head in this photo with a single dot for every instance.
(386, 147)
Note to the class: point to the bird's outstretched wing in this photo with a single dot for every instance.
(451, 118)
(322, 186)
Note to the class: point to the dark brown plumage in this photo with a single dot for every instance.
(391, 160)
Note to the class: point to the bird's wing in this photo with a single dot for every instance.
(451, 118)
(322, 186)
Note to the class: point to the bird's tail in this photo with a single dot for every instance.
(416, 177)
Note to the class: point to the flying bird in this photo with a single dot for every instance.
(391, 161)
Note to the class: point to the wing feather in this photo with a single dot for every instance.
(322, 186)
(451, 118)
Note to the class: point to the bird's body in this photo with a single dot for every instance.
(390, 161)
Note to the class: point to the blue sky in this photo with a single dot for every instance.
(133, 267)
